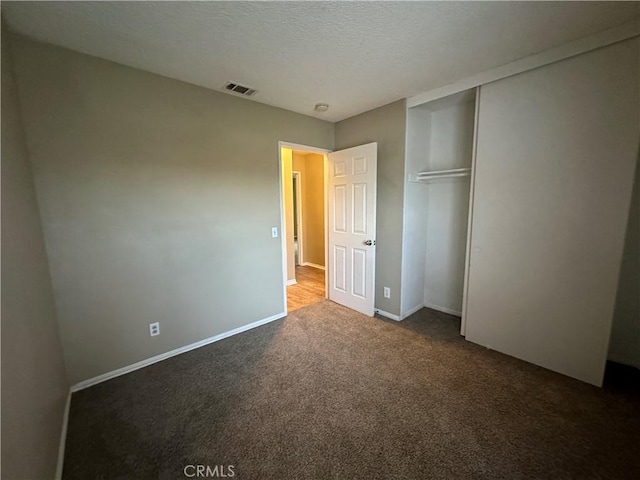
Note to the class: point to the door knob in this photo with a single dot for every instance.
(370, 242)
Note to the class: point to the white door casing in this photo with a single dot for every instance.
(351, 193)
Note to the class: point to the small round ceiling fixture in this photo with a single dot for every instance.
(321, 107)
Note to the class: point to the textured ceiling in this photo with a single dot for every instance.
(353, 55)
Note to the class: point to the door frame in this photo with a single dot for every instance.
(283, 231)
(298, 214)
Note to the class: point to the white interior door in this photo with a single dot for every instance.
(351, 190)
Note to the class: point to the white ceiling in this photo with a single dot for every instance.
(354, 56)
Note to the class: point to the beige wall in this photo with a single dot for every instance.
(157, 200)
(313, 221)
(387, 126)
(34, 385)
(311, 167)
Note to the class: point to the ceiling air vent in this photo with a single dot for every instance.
(241, 89)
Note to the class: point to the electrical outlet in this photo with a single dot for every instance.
(154, 329)
(387, 292)
(274, 232)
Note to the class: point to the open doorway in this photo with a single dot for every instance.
(304, 224)
(346, 237)
(298, 238)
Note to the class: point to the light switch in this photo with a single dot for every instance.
(274, 232)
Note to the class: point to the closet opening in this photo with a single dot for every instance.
(303, 231)
(439, 163)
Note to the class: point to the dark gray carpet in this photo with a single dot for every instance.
(329, 393)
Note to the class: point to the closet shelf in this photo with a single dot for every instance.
(437, 174)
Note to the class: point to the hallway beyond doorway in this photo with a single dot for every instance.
(308, 290)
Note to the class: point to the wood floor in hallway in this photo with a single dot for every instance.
(308, 290)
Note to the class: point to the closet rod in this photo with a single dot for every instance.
(423, 176)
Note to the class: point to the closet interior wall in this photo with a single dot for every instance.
(440, 137)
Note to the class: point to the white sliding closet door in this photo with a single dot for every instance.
(556, 152)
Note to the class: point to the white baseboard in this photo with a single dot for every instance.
(411, 311)
(291, 282)
(163, 356)
(443, 309)
(387, 314)
(314, 265)
(63, 438)
(623, 361)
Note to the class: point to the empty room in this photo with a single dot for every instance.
(320, 240)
